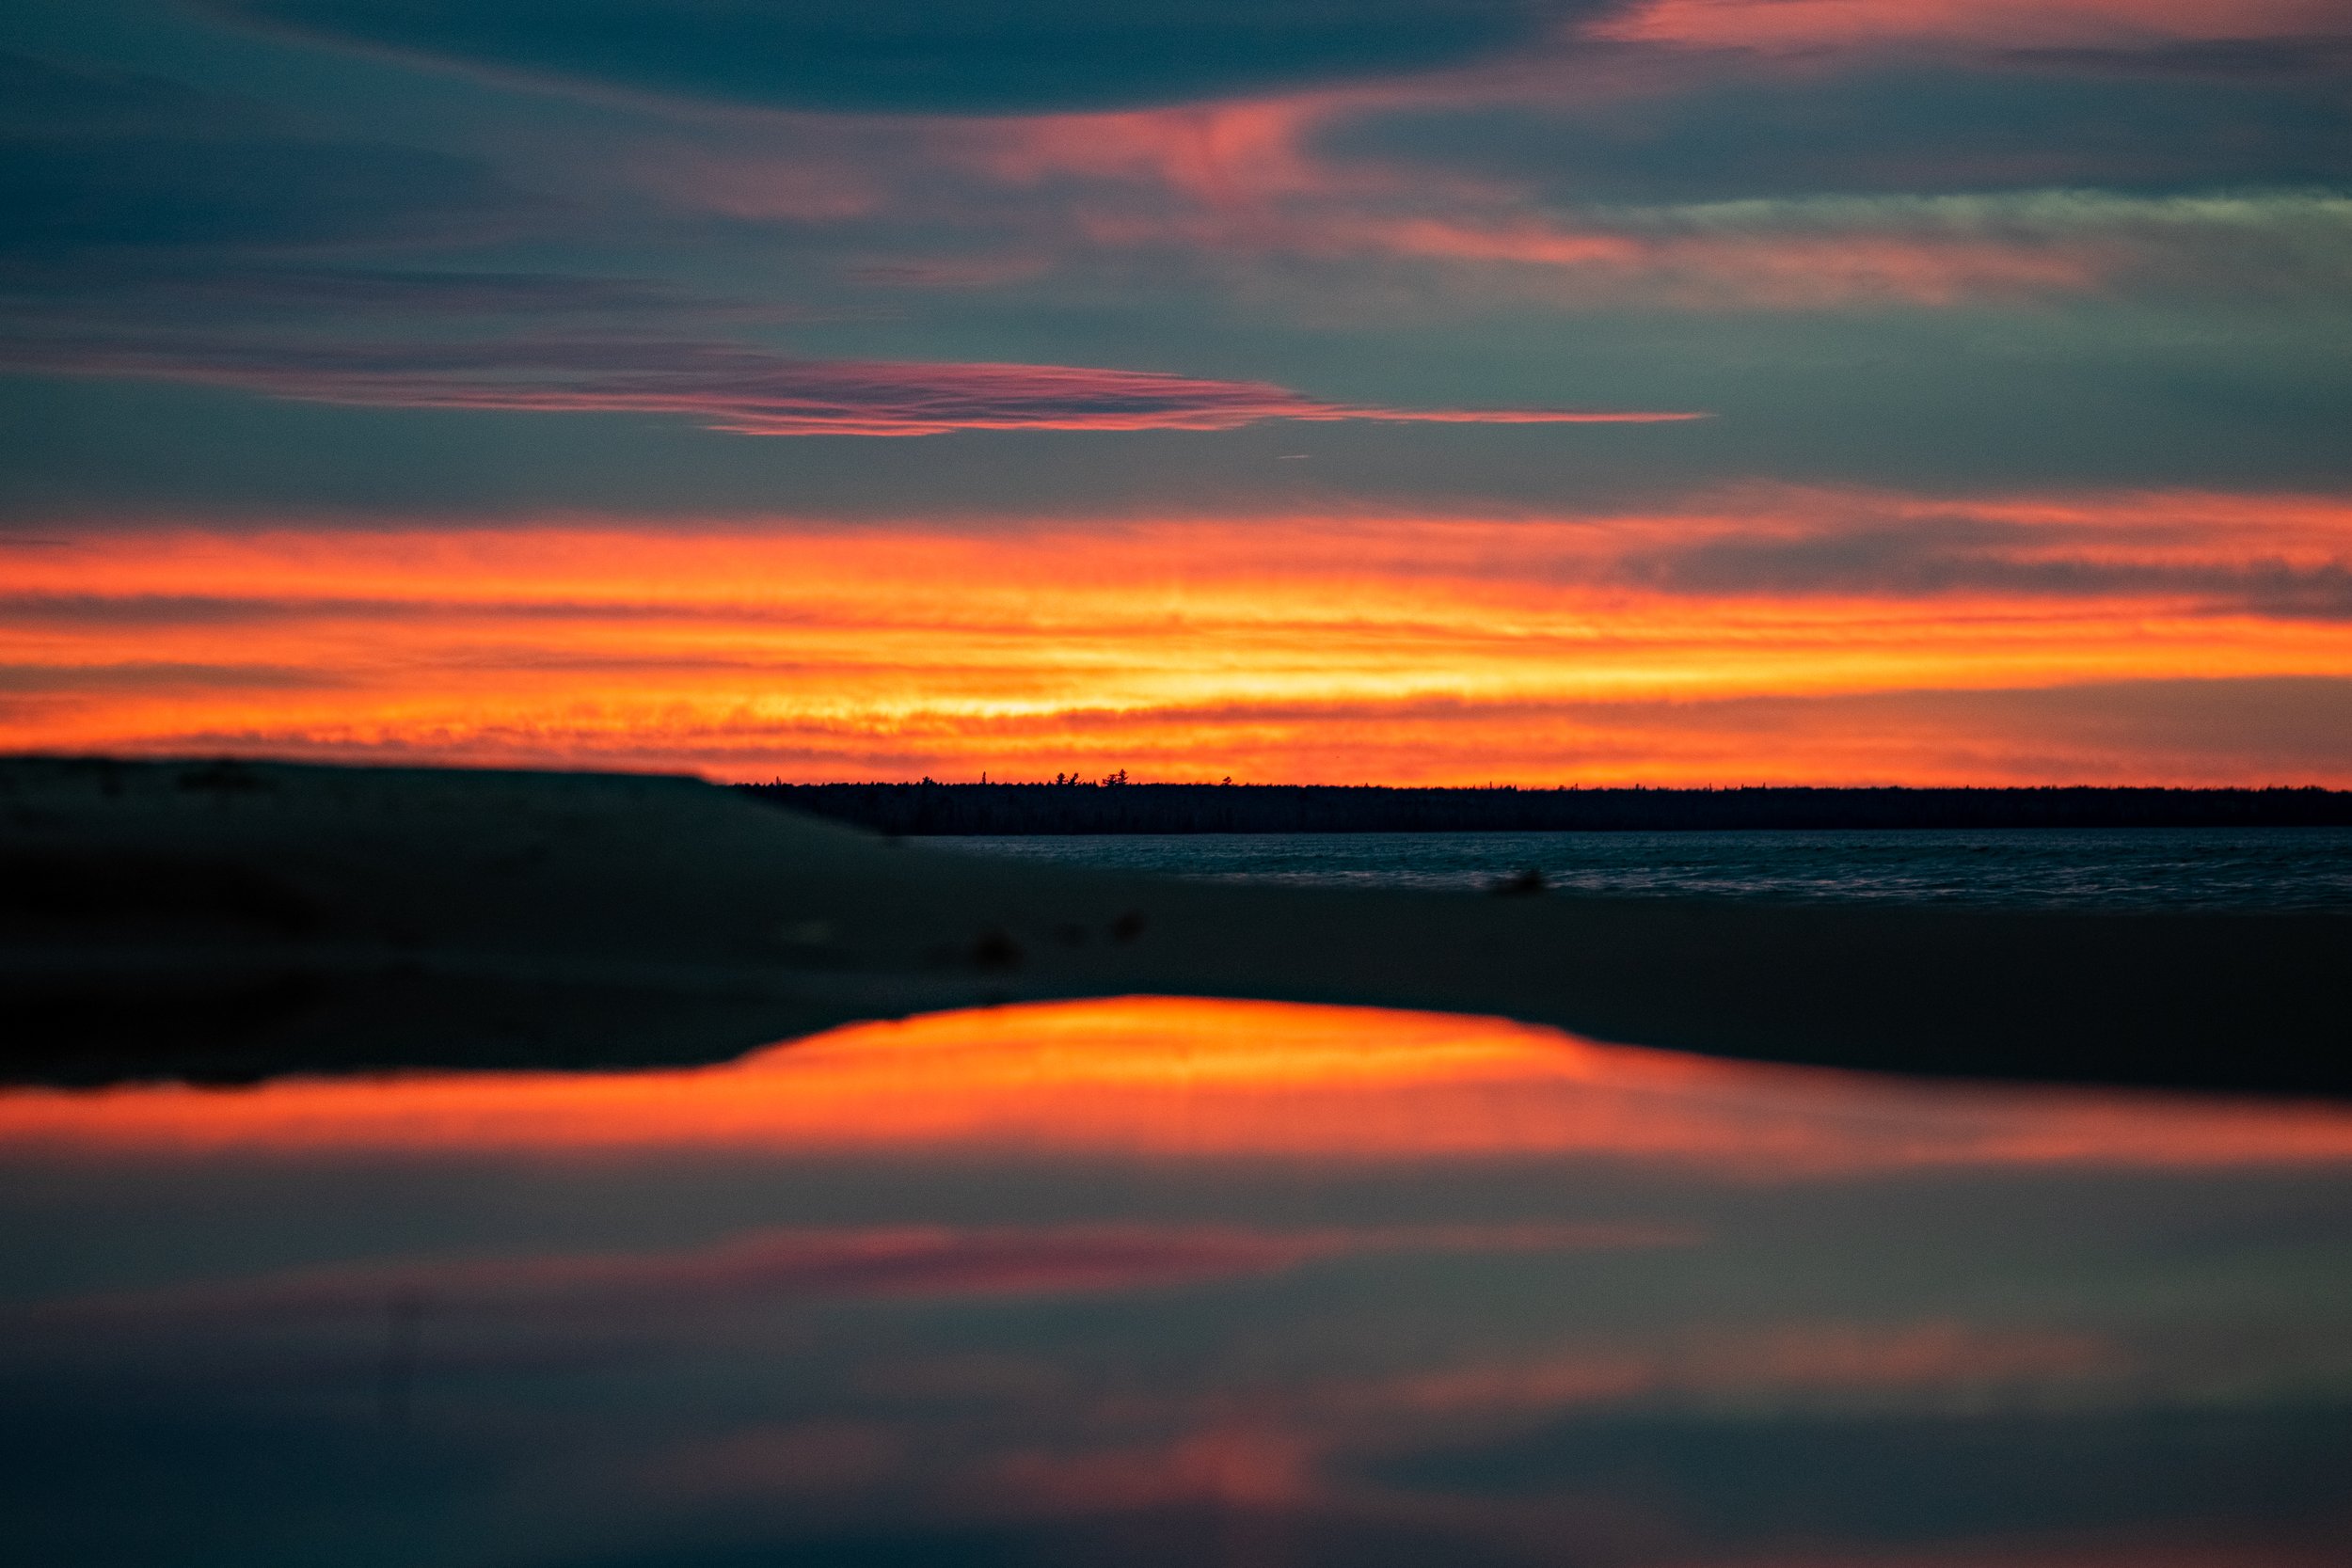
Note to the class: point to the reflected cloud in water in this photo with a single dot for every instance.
(1174, 1077)
(1173, 1280)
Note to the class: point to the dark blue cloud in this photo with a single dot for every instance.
(115, 161)
(137, 205)
(1717, 135)
(1909, 1480)
(40, 98)
(138, 191)
(948, 57)
(2261, 60)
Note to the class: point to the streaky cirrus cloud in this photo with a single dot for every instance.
(1503, 213)
(1757, 196)
(745, 390)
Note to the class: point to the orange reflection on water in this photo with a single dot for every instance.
(1169, 1077)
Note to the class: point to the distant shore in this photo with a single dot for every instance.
(983, 809)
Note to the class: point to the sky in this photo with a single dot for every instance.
(1450, 392)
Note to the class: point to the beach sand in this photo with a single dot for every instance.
(225, 921)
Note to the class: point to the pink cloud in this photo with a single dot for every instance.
(1233, 1465)
(1230, 185)
(1243, 182)
(1803, 25)
(1781, 270)
(753, 391)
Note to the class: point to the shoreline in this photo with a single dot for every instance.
(229, 921)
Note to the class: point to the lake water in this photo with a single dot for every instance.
(1174, 1282)
(2279, 868)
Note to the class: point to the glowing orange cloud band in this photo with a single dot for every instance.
(1774, 636)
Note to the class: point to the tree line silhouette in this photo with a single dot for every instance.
(1113, 806)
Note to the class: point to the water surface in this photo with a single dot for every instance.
(2274, 869)
(1174, 1281)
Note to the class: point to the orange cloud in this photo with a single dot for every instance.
(1772, 635)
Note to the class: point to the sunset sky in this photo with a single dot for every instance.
(1545, 392)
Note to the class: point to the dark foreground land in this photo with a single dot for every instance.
(1096, 808)
(224, 921)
